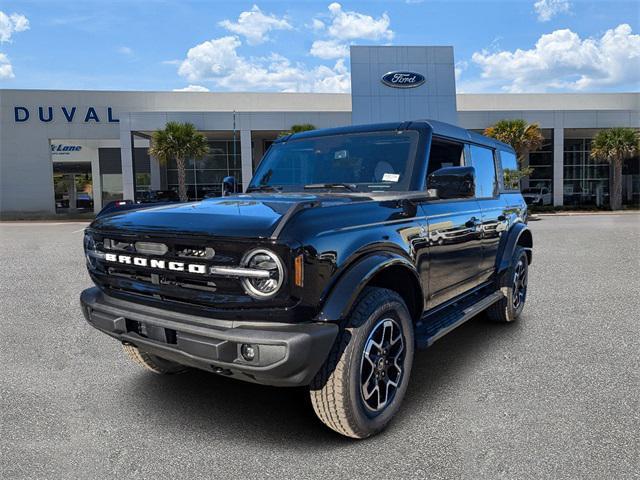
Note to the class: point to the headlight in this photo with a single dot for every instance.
(89, 250)
(263, 260)
(89, 243)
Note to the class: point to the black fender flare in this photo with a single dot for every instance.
(517, 234)
(350, 284)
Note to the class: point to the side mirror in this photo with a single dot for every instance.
(453, 182)
(228, 186)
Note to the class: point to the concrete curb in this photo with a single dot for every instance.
(571, 214)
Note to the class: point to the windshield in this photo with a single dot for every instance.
(530, 190)
(373, 161)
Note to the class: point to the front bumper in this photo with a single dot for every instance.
(287, 354)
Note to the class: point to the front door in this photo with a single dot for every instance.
(454, 230)
(73, 187)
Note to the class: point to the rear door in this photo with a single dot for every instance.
(492, 208)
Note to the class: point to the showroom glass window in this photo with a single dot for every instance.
(483, 161)
(586, 181)
(542, 163)
(204, 176)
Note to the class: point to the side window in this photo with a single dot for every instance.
(509, 167)
(443, 154)
(482, 160)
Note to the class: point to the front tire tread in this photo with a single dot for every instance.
(329, 390)
(151, 362)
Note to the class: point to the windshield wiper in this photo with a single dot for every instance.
(347, 186)
(264, 188)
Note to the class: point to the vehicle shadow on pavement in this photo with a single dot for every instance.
(232, 410)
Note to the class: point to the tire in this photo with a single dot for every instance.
(513, 284)
(151, 362)
(380, 318)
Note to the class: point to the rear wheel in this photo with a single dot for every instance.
(363, 382)
(151, 362)
(513, 284)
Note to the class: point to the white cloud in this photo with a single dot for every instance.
(562, 60)
(210, 59)
(547, 9)
(317, 25)
(347, 25)
(6, 70)
(125, 50)
(192, 88)
(219, 62)
(344, 27)
(329, 49)
(10, 24)
(254, 25)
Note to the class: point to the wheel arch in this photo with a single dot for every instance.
(518, 235)
(380, 269)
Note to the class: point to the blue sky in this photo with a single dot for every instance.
(500, 46)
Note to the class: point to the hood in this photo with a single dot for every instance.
(255, 215)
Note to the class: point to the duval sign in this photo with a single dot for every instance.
(69, 114)
(403, 79)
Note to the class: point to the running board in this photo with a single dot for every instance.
(452, 317)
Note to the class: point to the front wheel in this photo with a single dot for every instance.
(362, 383)
(513, 284)
(151, 362)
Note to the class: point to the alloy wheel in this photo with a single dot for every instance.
(381, 367)
(519, 284)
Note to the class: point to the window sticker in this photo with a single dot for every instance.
(391, 177)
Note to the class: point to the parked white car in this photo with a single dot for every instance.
(537, 196)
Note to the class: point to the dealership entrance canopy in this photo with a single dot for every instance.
(73, 151)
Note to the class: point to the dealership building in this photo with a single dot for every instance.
(74, 151)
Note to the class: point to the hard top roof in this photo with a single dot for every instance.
(440, 129)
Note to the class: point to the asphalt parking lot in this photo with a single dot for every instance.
(556, 395)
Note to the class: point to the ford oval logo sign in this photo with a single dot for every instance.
(403, 79)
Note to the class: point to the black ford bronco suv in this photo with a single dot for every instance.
(351, 248)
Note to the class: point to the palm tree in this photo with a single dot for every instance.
(523, 137)
(297, 128)
(178, 141)
(614, 146)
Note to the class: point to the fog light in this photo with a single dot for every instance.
(248, 351)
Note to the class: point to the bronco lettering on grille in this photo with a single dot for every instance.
(154, 263)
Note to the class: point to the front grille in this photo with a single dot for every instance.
(137, 278)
